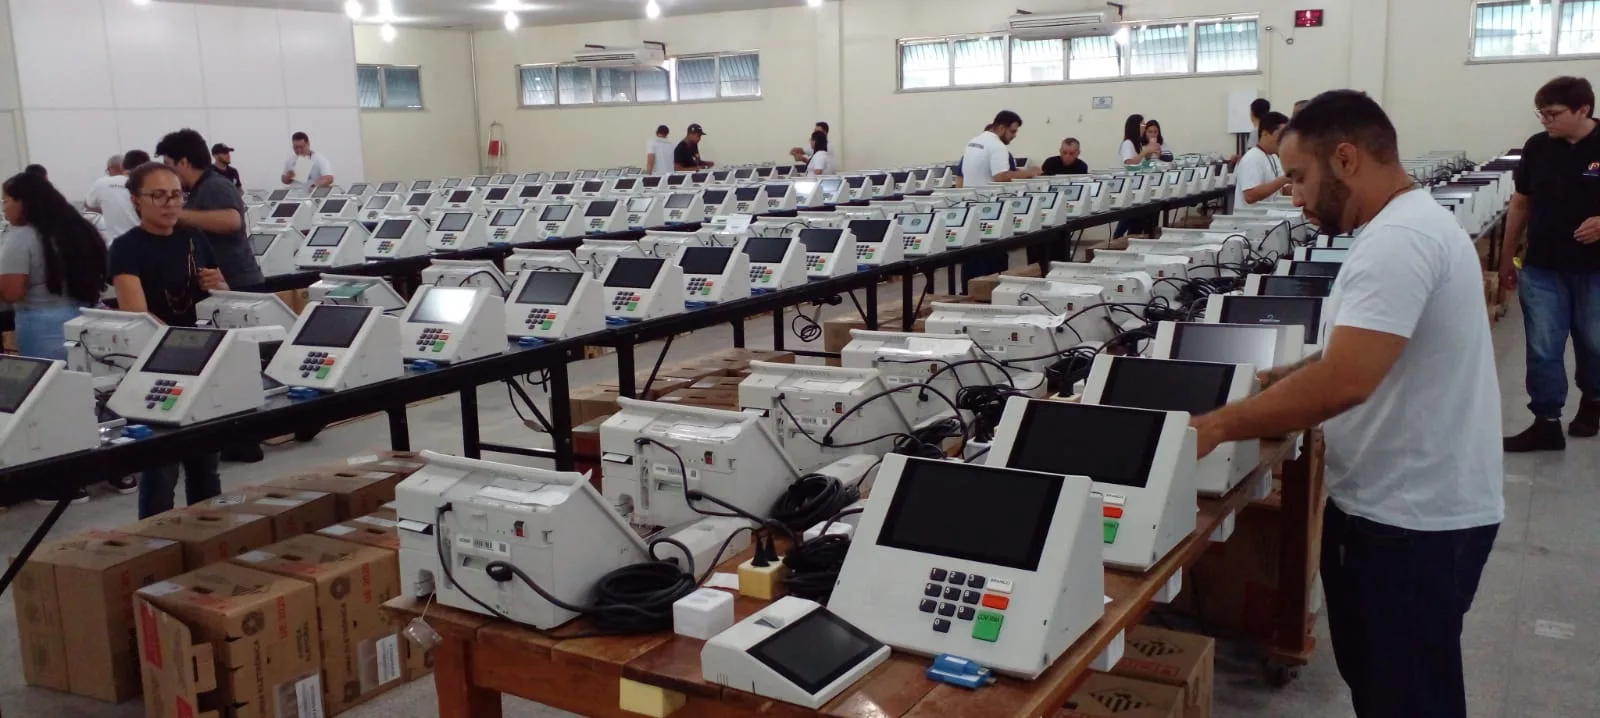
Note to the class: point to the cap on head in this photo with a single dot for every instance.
(696, 129)
(221, 149)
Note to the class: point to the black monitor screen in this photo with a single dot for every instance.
(1002, 516)
(766, 250)
(821, 241)
(601, 209)
(278, 195)
(379, 202)
(989, 210)
(920, 175)
(900, 177)
(334, 206)
(554, 288)
(561, 189)
(675, 180)
(1305, 311)
(453, 222)
(955, 216)
(18, 376)
(498, 194)
(1328, 255)
(721, 176)
(260, 243)
(878, 179)
(700, 177)
(556, 213)
(184, 351)
(855, 182)
(584, 174)
(326, 236)
(285, 210)
(451, 183)
(531, 177)
(1109, 444)
(1116, 184)
(461, 196)
(831, 186)
(444, 305)
(1274, 286)
(393, 228)
(869, 230)
(777, 191)
(389, 187)
(715, 196)
(506, 218)
(613, 172)
(915, 223)
(1314, 269)
(784, 170)
(480, 181)
(705, 260)
(358, 189)
(560, 175)
(531, 191)
(634, 272)
(1138, 182)
(418, 198)
(593, 187)
(744, 173)
(626, 183)
(815, 650)
(679, 200)
(332, 326)
(651, 182)
(1257, 346)
(640, 204)
(421, 185)
(1163, 385)
(747, 194)
(763, 172)
(1073, 192)
(1046, 200)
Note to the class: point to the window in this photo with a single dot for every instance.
(697, 78)
(538, 85)
(719, 76)
(729, 75)
(1094, 57)
(1228, 46)
(652, 86)
(389, 87)
(1534, 29)
(924, 64)
(575, 85)
(980, 61)
(1038, 60)
(615, 85)
(1580, 27)
(1158, 50)
(741, 75)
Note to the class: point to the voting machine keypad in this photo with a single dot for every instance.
(448, 240)
(1113, 516)
(969, 599)
(914, 244)
(761, 275)
(163, 393)
(626, 300)
(320, 255)
(816, 262)
(318, 363)
(700, 286)
(500, 235)
(541, 318)
(385, 247)
(865, 252)
(433, 339)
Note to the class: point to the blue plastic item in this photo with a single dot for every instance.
(424, 364)
(529, 342)
(303, 392)
(958, 671)
(138, 431)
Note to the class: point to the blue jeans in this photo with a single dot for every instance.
(157, 486)
(1397, 601)
(1556, 305)
(40, 332)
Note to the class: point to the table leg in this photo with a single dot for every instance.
(452, 679)
(1301, 529)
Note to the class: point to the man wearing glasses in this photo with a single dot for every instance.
(1557, 202)
(214, 207)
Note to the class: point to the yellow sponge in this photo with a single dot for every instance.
(762, 582)
(649, 700)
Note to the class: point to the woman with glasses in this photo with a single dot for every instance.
(165, 270)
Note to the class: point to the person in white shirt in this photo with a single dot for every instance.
(1134, 149)
(1259, 108)
(321, 173)
(987, 160)
(821, 162)
(109, 195)
(1407, 395)
(658, 153)
(1259, 174)
(802, 156)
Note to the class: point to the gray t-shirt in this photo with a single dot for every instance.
(234, 256)
(21, 252)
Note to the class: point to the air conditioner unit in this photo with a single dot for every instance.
(1062, 25)
(621, 57)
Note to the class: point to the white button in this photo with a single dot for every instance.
(998, 585)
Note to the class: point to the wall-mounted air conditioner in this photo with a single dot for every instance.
(1062, 25)
(621, 57)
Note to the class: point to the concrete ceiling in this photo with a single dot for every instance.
(488, 13)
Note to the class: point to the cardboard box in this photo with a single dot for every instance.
(660, 387)
(708, 398)
(208, 536)
(1184, 660)
(356, 492)
(404, 463)
(735, 362)
(981, 289)
(361, 649)
(74, 601)
(1103, 695)
(592, 402)
(292, 512)
(229, 641)
(1234, 585)
(381, 530)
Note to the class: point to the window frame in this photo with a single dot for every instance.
(670, 70)
(1554, 29)
(383, 88)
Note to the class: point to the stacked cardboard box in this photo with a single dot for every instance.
(206, 535)
(716, 392)
(1183, 660)
(891, 317)
(291, 512)
(361, 485)
(381, 530)
(981, 289)
(599, 401)
(1103, 695)
(74, 601)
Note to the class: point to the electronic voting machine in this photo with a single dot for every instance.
(712, 275)
(449, 325)
(793, 650)
(398, 237)
(456, 231)
(775, 263)
(190, 375)
(640, 288)
(334, 348)
(45, 410)
(332, 245)
(275, 250)
(1303, 311)
(553, 305)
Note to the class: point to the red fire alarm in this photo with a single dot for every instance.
(1308, 18)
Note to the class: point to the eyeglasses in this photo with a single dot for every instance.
(173, 197)
(1551, 115)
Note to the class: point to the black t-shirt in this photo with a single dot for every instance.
(230, 173)
(168, 268)
(1054, 166)
(686, 155)
(1562, 182)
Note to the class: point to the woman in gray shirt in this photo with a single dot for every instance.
(52, 263)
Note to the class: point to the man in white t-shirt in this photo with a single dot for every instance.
(658, 153)
(320, 173)
(1259, 174)
(987, 160)
(109, 196)
(1407, 395)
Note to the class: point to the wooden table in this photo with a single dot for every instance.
(481, 658)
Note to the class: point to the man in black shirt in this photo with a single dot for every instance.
(1067, 163)
(1557, 201)
(222, 162)
(686, 158)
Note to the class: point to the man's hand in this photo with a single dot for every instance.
(1209, 433)
(1589, 231)
(288, 177)
(211, 280)
(1508, 277)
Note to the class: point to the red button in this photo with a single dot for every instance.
(328, 361)
(177, 391)
(1113, 512)
(998, 603)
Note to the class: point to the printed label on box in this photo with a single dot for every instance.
(301, 698)
(362, 459)
(389, 664)
(160, 589)
(280, 502)
(337, 530)
(256, 556)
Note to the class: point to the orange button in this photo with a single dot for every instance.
(328, 361)
(1113, 512)
(998, 603)
(177, 391)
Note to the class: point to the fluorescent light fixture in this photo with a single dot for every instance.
(141, 3)
(652, 9)
(386, 32)
(353, 9)
(814, 3)
(512, 21)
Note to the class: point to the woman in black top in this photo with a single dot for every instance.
(165, 270)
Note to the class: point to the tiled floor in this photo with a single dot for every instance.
(1538, 577)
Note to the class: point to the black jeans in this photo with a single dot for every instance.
(157, 486)
(1396, 602)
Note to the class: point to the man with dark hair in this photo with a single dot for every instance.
(658, 153)
(37, 171)
(222, 162)
(1557, 203)
(686, 156)
(1259, 174)
(134, 159)
(1259, 108)
(1298, 106)
(987, 161)
(214, 207)
(307, 169)
(1414, 504)
(1068, 162)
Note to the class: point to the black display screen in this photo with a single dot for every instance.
(745, 173)
(556, 213)
(715, 196)
(920, 175)
(444, 305)
(989, 210)
(855, 182)
(821, 241)
(784, 170)
(986, 514)
(421, 185)
(766, 250)
(1073, 193)
(1116, 184)
(531, 177)
(334, 206)
(1314, 269)
(878, 179)
(480, 181)
(679, 200)
(955, 216)
(498, 194)
(451, 183)
(1138, 182)
(393, 228)
(18, 377)
(634, 272)
(626, 183)
(900, 177)
(1046, 200)
(531, 191)
(675, 180)
(721, 176)
(358, 189)
(777, 191)
(815, 650)
(1164, 385)
(379, 202)
(506, 218)
(560, 175)
(700, 177)
(1274, 286)
(285, 210)
(553, 288)
(1305, 311)
(1109, 444)
(418, 199)
(453, 222)
(332, 326)
(601, 209)
(260, 243)
(184, 351)
(869, 230)
(705, 260)
(1229, 344)
(763, 172)
(460, 197)
(593, 187)
(278, 195)
(747, 194)
(389, 187)
(327, 236)
(561, 189)
(321, 192)
(650, 182)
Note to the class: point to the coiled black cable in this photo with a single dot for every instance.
(814, 565)
(811, 500)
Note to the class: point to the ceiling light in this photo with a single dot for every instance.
(386, 9)
(386, 32)
(353, 9)
(652, 9)
(512, 21)
(141, 2)
(814, 3)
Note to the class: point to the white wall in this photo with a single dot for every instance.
(439, 140)
(99, 77)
